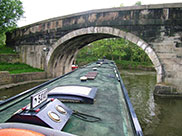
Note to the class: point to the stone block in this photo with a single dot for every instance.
(108, 30)
(144, 46)
(135, 39)
(116, 32)
(152, 56)
(140, 42)
(166, 55)
(33, 55)
(129, 36)
(159, 78)
(5, 78)
(9, 58)
(163, 48)
(159, 70)
(165, 90)
(90, 29)
(175, 82)
(96, 30)
(122, 34)
(171, 65)
(28, 76)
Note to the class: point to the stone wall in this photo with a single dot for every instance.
(28, 76)
(9, 58)
(6, 78)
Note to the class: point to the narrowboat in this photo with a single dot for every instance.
(89, 101)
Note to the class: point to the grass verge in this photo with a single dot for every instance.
(18, 68)
(122, 64)
(6, 50)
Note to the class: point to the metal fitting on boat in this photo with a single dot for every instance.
(83, 78)
(94, 69)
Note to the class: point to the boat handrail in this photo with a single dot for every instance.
(132, 113)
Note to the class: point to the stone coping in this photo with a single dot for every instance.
(21, 83)
(127, 8)
(166, 91)
(7, 78)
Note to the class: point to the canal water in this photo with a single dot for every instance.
(7, 93)
(158, 117)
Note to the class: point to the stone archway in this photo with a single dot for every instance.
(62, 52)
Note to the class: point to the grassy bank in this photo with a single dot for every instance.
(17, 68)
(84, 61)
(122, 64)
(6, 50)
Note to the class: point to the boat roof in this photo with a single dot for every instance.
(111, 102)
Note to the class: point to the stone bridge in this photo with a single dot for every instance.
(53, 44)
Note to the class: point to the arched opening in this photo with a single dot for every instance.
(125, 54)
(62, 53)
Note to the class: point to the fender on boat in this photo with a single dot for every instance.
(42, 131)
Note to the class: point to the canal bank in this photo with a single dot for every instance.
(13, 71)
(7, 78)
(7, 91)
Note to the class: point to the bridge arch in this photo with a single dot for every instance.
(62, 53)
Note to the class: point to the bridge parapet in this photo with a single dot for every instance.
(141, 20)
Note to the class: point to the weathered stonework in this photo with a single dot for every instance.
(163, 90)
(28, 76)
(157, 29)
(13, 58)
(5, 77)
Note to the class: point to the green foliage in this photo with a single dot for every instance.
(124, 53)
(6, 50)
(124, 64)
(2, 39)
(115, 49)
(138, 3)
(18, 68)
(121, 5)
(10, 13)
(86, 60)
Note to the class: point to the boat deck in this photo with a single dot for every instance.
(109, 105)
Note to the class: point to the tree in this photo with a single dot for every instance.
(10, 13)
(138, 3)
(121, 5)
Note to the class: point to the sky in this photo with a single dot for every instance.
(38, 10)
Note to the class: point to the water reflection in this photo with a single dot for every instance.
(7, 93)
(158, 117)
(170, 117)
